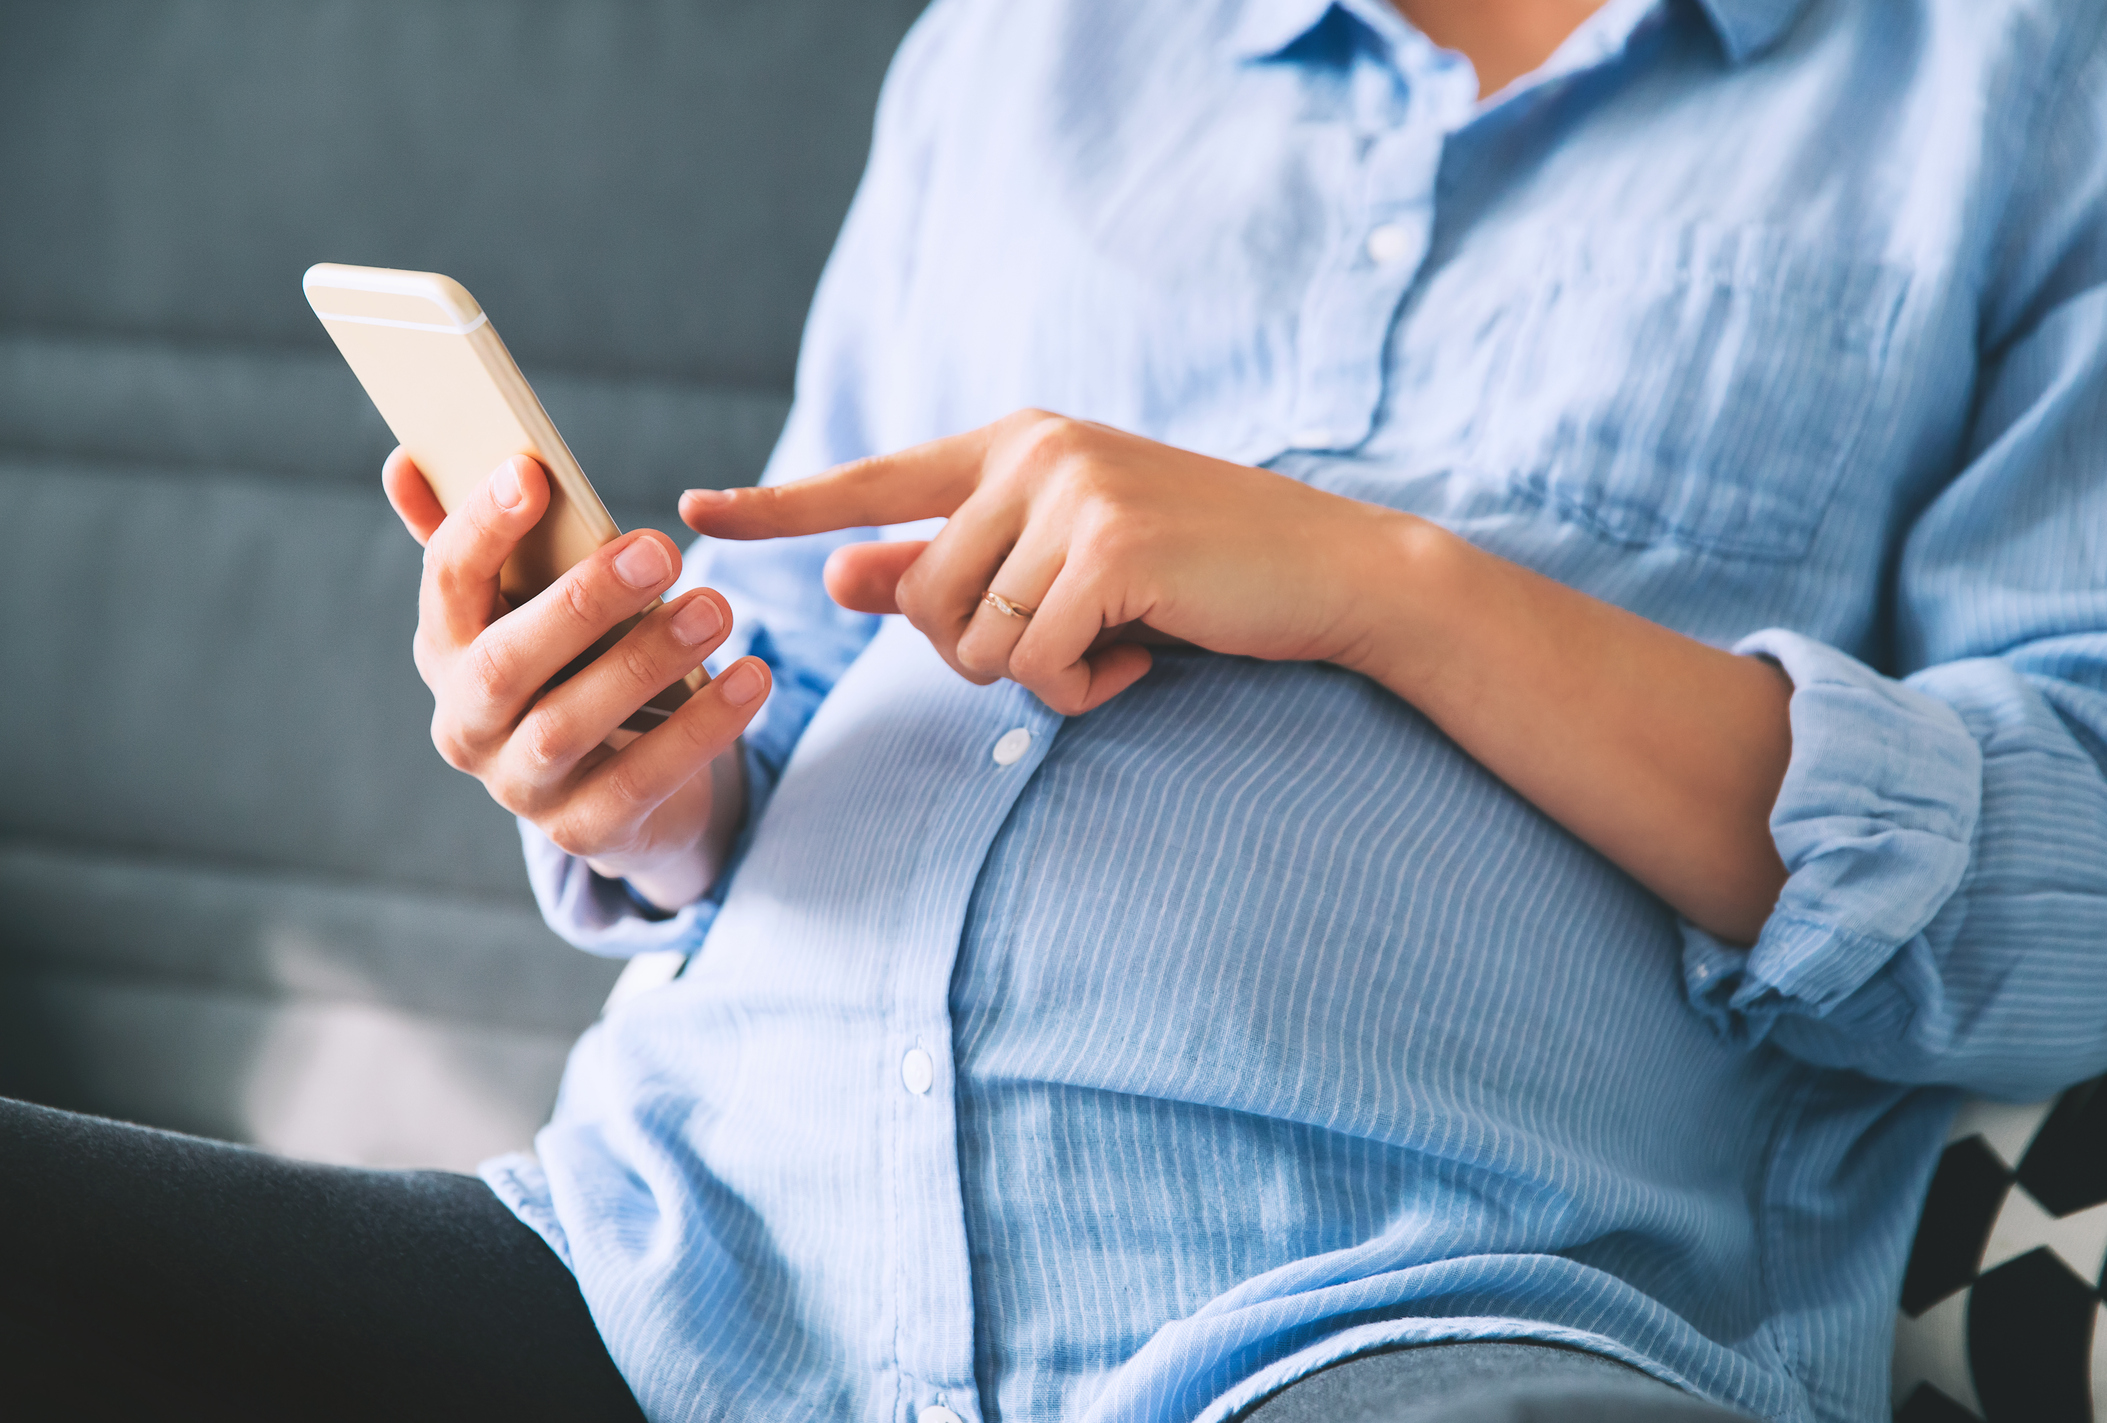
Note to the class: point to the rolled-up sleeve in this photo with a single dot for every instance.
(1876, 824)
(780, 611)
(1945, 919)
(1945, 829)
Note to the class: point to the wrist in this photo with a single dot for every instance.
(1411, 590)
(669, 881)
(678, 874)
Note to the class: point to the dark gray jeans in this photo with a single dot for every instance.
(146, 1275)
(1483, 1382)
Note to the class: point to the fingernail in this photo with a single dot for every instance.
(697, 622)
(741, 685)
(708, 496)
(642, 564)
(504, 486)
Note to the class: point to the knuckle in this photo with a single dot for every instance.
(1025, 418)
(911, 591)
(914, 600)
(572, 833)
(449, 544)
(488, 670)
(1096, 482)
(511, 797)
(1109, 540)
(479, 515)
(978, 679)
(705, 741)
(1030, 666)
(631, 797)
(926, 602)
(580, 602)
(542, 744)
(982, 661)
(694, 733)
(1048, 440)
(1062, 689)
(452, 746)
(444, 572)
(929, 626)
(639, 666)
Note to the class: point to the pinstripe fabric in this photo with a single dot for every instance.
(1264, 1026)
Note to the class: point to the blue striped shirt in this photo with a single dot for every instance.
(1128, 1066)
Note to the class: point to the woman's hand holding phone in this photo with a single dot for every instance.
(658, 809)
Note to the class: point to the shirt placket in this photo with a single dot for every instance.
(1010, 734)
(1381, 237)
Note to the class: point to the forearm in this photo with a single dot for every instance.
(1664, 754)
(1661, 752)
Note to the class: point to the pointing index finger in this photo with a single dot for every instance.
(921, 482)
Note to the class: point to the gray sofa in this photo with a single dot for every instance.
(239, 893)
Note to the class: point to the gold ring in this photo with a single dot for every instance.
(1004, 606)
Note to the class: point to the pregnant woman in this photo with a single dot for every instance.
(1432, 846)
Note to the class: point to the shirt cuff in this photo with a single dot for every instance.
(599, 914)
(1875, 823)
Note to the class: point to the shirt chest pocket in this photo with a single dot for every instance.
(1706, 388)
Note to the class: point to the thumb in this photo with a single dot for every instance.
(863, 577)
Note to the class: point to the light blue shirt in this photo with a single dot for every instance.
(1246, 1023)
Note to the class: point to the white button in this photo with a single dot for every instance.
(1310, 437)
(1389, 243)
(937, 1413)
(918, 1072)
(1011, 748)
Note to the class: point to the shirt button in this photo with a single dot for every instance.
(1011, 748)
(918, 1071)
(1389, 244)
(937, 1413)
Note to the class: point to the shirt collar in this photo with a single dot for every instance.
(1266, 27)
(1749, 27)
(1746, 28)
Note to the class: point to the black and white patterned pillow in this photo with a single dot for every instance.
(2003, 1304)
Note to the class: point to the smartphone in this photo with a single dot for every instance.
(451, 393)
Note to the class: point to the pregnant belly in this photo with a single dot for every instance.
(1265, 987)
(1252, 982)
(1276, 889)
